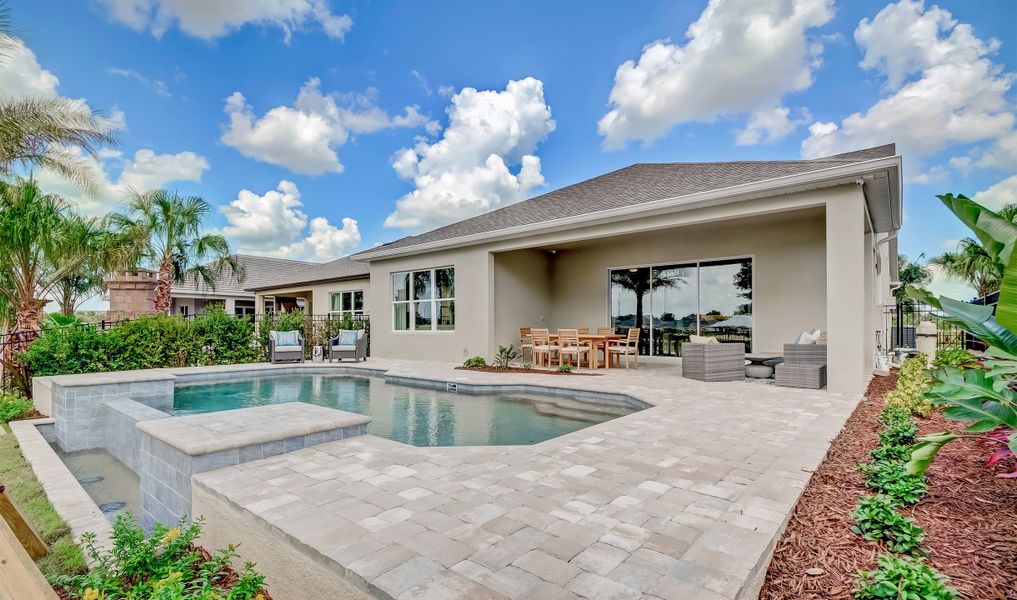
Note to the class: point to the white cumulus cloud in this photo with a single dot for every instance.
(467, 171)
(740, 56)
(212, 19)
(943, 89)
(304, 137)
(999, 194)
(274, 224)
(146, 170)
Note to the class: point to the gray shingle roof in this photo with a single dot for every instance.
(630, 186)
(342, 268)
(258, 270)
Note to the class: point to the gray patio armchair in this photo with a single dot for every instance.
(285, 346)
(348, 344)
(714, 362)
(804, 366)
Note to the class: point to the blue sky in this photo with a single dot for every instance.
(208, 101)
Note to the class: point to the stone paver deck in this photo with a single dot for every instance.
(679, 501)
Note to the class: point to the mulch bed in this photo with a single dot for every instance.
(969, 516)
(490, 369)
(32, 414)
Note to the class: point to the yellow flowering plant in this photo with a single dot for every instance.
(164, 564)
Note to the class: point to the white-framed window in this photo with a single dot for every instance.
(343, 303)
(424, 300)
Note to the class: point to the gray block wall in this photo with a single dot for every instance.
(123, 439)
(166, 471)
(79, 415)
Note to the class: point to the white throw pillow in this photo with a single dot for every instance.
(702, 339)
(807, 337)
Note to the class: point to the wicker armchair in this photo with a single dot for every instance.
(714, 362)
(348, 344)
(285, 351)
(804, 366)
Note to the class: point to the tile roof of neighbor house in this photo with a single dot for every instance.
(258, 270)
(630, 186)
(336, 270)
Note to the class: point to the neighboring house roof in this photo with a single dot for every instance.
(257, 271)
(633, 186)
(336, 270)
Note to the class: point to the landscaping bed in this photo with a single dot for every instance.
(493, 369)
(969, 516)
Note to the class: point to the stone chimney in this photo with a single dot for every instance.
(132, 294)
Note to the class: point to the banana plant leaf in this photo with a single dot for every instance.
(973, 397)
(997, 235)
(1006, 309)
(925, 450)
(976, 319)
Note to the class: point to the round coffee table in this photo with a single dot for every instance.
(761, 364)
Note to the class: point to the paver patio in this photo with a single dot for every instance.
(679, 501)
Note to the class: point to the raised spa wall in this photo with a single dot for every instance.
(130, 419)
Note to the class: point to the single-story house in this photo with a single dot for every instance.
(331, 288)
(131, 294)
(751, 251)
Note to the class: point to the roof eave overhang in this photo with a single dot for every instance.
(294, 284)
(886, 172)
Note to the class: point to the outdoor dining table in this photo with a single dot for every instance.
(595, 341)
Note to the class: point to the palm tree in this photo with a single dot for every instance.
(44, 132)
(105, 252)
(973, 264)
(41, 243)
(175, 244)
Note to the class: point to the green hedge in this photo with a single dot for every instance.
(212, 338)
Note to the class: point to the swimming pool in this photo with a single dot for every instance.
(407, 414)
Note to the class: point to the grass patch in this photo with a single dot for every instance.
(64, 558)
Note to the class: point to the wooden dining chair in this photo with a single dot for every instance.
(541, 348)
(583, 331)
(627, 347)
(605, 331)
(525, 341)
(569, 345)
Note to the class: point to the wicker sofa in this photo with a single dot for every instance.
(804, 366)
(285, 351)
(340, 347)
(714, 362)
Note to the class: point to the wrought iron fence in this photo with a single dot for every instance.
(900, 325)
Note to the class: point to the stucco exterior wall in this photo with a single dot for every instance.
(474, 308)
(523, 293)
(789, 271)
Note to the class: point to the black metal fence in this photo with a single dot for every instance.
(900, 325)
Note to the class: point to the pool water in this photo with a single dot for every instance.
(412, 415)
(110, 483)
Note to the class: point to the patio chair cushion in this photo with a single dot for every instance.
(346, 338)
(287, 348)
(287, 338)
(344, 348)
(702, 339)
(808, 337)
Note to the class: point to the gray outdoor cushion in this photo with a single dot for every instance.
(287, 338)
(287, 348)
(347, 338)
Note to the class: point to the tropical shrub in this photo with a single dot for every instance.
(476, 361)
(899, 428)
(902, 578)
(911, 385)
(505, 356)
(952, 356)
(14, 406)
(877, 521)
(892, 479)
(565, 368)
(164, 565)
(149, 342)
(892, 453)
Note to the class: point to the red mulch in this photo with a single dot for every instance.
(969, 517)
(226, 580)
(490, 369)
(32, 414)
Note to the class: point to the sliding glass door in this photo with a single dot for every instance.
(669, 303)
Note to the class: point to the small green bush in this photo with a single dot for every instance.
(892, 453)
(164, 565)
(899, 427)
(565, 368)
(912, 383)
(902, 578)
(476, 361)
(877, 521)
(892, 479)
(14, 406)
(505, 356)
(952, 356)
